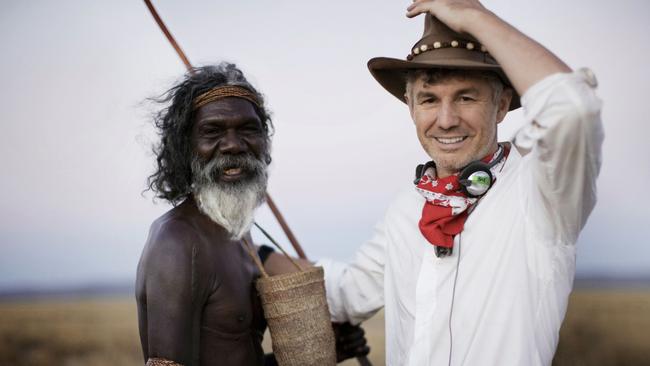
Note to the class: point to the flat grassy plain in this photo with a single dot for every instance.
(602, 327)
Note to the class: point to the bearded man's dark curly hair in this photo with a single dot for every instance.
(172, 180)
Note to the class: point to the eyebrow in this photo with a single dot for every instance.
(236, 119)
(468, 91)
(426, 94)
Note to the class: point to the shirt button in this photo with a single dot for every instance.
(589, 77)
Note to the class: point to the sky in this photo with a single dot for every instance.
(76, 135)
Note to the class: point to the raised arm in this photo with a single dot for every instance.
(355, 291)
(524, 61)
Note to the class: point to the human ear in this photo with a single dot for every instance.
(410, 106)
(504, 104)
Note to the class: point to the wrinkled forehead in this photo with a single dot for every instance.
(230, 108)
(451, 81)
(440, 75)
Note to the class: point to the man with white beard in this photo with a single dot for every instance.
(197, 303)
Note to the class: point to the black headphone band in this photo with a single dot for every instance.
(502, 153)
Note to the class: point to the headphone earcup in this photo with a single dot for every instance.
(421, 169)
(476, 179)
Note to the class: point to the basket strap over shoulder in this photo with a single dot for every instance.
(268, 236)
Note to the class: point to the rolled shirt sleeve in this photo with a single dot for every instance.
(562, 141)
(355, 291)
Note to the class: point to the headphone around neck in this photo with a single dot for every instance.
(475, 178)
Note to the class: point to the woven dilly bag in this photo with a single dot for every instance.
(299, 321)
(296, 311)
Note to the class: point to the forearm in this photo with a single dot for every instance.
(354, 293)
(524, 60)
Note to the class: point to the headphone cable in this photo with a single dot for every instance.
(453, 295)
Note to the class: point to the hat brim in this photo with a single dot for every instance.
(391, 73)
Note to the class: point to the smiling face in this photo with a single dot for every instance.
(229, 168)
(456, 119)
(229, 133)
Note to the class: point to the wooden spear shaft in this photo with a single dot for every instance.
(285, 227)
(169, 36)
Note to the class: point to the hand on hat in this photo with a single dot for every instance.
(523, 60)
(456, 14)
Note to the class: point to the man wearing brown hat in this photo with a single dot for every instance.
(474, 265)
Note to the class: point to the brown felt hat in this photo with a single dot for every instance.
(439, 48)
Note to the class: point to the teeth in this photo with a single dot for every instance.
(450, 140)
(232, 171)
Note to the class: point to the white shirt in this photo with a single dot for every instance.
(514, 260)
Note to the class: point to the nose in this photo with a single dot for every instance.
(231, 143)
(447, 116)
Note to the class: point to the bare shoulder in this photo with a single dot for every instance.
(174, 228)
(171, 241)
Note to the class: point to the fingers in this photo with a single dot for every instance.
(350, 341)
(360, 351)
(363, 351)
(349, 335)
(418, 7)
(353, 345)
(411, 11)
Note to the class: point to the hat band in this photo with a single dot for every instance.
(468, 45)
(225, 92)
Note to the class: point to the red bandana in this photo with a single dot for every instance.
(446, 207)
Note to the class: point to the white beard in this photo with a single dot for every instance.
(232, 208)
(230, 204)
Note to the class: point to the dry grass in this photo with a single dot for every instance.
(602, 328)
(606, 328)
(69, 333)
